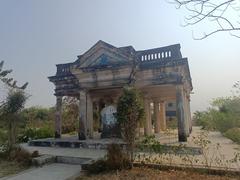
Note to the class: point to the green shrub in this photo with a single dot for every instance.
(233, 134)
(36, 133)
(206, 119)
(21, 156)
(222, 116)
(4, 151)
(18, 154)
(3, 136)
(149, 143)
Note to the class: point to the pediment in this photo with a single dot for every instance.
(103, 54)
(105, 59)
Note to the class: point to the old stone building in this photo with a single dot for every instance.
(98, 76)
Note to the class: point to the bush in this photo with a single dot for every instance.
(4, 151)
(116, 159)
(150, 143)
(22, 156)
(130, 112)
(3, 137)
(36, 133)
(222, 116)
(233, 134)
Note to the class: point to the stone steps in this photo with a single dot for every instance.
(44, 159)
(48, 159)
(73, 160)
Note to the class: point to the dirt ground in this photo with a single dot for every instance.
(9, 168)
(154, 174)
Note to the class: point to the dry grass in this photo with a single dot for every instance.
(10, 167)
(153, 174)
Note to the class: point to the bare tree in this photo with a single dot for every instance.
(223, 14)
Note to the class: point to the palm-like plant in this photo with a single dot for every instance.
(13, 104)
(10, 113)
(9, 81)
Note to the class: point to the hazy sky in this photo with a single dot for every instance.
(37, 34)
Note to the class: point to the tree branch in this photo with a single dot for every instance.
(213, 11)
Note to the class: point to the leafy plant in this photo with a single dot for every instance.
(233, 134)
(130, 112)
(22, 156)
(10, 113)
(36, 133)
(9, 81)
(3, 136)
(223, 115)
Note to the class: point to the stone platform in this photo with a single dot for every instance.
(82, 155)
(73, 142)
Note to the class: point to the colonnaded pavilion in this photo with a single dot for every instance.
(98, 76)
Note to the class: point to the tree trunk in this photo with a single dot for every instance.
(11, 134)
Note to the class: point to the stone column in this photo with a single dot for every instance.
(157, 117)
(82, 115)
(148, 121)
(189, 113)
(162, 116)
(58, 117)
(89, 116)
(182, 134)
(186, 115)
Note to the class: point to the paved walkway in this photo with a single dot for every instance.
(218, 153)
(54, 171)
(226, 146)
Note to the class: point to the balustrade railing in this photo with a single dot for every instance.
(163, 53)
(63, 69)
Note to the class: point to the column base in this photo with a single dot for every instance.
(182, 138)
(81, 136)
(57, 135)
